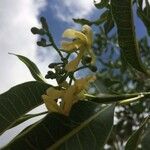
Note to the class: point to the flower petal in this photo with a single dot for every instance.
(53, 93)
(72, 65)
(51, 105)
(71, 33)
(71, 46)
(83, 83)
(87, 31)
(68, 98)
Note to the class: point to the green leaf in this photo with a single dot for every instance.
(108, 25)
(123, 17)
(107, 98)
(135, 138)
(32, 67)
(88, 126)
(146, 138)
(82, 21)
(19, 100)
(91, 134)
(104, 16)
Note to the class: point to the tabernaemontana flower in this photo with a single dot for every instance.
(68, 96)
(80, 41)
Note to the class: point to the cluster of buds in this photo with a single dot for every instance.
(80, 43)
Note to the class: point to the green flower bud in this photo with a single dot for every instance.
(44, 23)
(50, 75)
(86, 60)
(42, 42)
(35, 30)
(52, 65)
(93, 68)
(60, 79)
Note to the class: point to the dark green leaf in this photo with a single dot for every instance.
(135, 138)
(123, 17)
(108, 25)
(104, 16)
(91, 134)
(87, 122)
(107, 98)
(83, 21)
(20, 99)
(32, 67)
(146, 139)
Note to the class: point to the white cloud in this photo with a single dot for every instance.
(17, 17)
(67, 9)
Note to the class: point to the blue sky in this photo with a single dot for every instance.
(17, 18)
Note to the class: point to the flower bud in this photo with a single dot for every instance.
(42, 42)
(93, 68)
(35, 30)
(52, 65)
(50, 75)
(86, 60)
(60, 79)
(44, 23)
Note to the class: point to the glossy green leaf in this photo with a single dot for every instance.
(91, 134)
(104, 16)
(123, 17)
(108, 25)
(135, 138)
(88, 126)
(83, 21)
(107, 98)
(146, 138)
(19, 100)
(32, 67)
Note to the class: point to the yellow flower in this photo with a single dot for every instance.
(50, 100)
(82, 41)
(69, 95)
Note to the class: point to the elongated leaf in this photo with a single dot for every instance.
(20, 99)
(116, 98)
(146, 138)
(109, 24)
(83, 21)
(88, 124)
(134, 139)
(91, 134)
(32, 67)
(104, 16)
(123, 17)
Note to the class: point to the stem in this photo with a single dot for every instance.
(38, 114)
(83, 67)
(53, 43)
